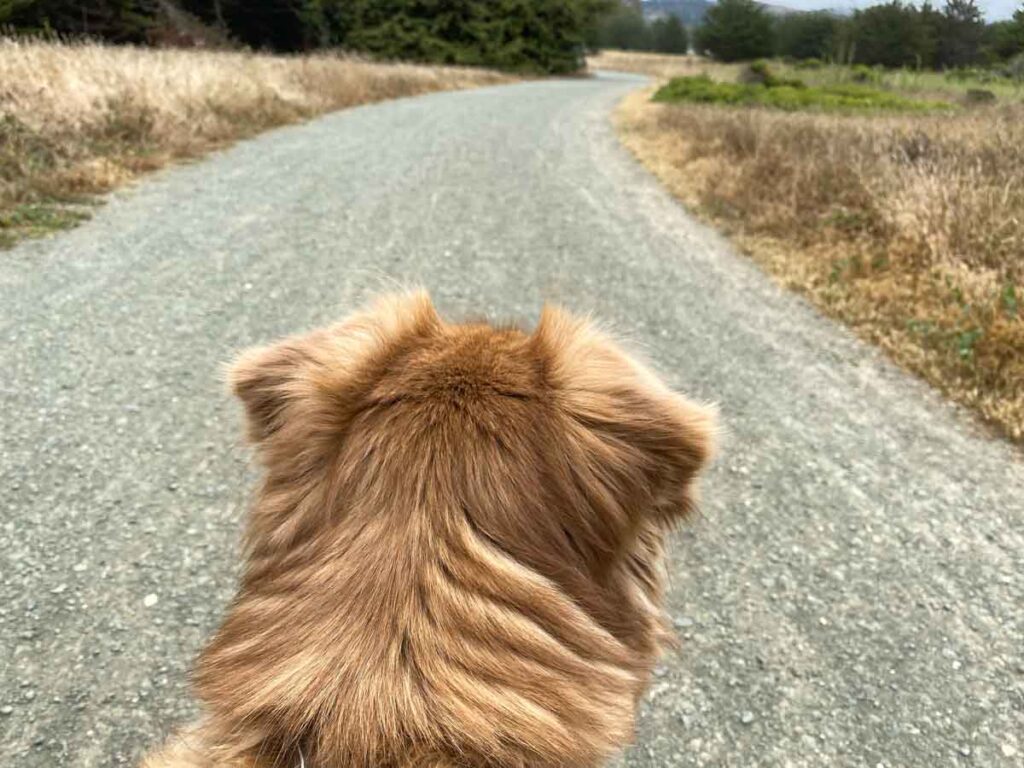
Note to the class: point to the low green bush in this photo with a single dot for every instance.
(861, 73)
(849, 97)
(759, 73)
(809, 64)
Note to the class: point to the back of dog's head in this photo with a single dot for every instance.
(455, 549)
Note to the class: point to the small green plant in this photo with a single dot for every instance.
(36, 220)
(1009, 299)
(925, 329)
(849, 220)
(965, 342)
(704, 90)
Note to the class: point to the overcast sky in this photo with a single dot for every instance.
(993, 9)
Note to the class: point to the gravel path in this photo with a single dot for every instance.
(853, 596)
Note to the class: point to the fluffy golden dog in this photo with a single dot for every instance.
(454, 556)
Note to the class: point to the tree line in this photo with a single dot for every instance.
(544, 36)
(892, 34)
(539, 36)
(626, 29)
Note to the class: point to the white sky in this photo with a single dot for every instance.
(993, 9)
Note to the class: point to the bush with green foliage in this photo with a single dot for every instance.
(759, 73)
(809, 64)
(861, 73)
(736, 30)
(789, 96)
(1015, 68)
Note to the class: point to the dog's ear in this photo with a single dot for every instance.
(322, 372)
(642, 443)
(266, 379)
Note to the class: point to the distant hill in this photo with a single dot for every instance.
(778, 10)
(688, 11)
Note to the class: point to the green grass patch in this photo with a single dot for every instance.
(950, 85)
(36, 220)
(790, 95)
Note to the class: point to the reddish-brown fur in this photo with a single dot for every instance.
(454, 557)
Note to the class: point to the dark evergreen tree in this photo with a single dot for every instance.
(624, 29)
(736, 30)
(126, 21)
(537, 36)
(668, 35)
(806, 35)
(891, 35)
(962, 33)
(1007, 37)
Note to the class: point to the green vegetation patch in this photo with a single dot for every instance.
(789, 95)
(36, 220)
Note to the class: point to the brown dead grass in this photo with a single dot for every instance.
(909, 228)
(80, 119)
(661, 66)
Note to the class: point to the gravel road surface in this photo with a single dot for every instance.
(852, 596)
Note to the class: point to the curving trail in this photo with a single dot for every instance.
(854, 594)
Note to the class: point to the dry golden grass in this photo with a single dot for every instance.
(661, 66)
(79, 119)
(910, 227)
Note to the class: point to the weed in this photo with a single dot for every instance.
(965, 342)
(38, 219)
(1009, 300)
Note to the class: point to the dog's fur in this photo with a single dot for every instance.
(454, 556)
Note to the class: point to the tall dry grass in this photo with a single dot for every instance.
(660, 65)
(78, 119)
(910, 228)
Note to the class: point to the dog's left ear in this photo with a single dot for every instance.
(268, 379)
(644, 444)
(318, 376)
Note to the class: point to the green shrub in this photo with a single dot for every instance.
(861, 73)
(810, 64)
(759, 73)
(849, 97)
(1015, 69)
(978, 97)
